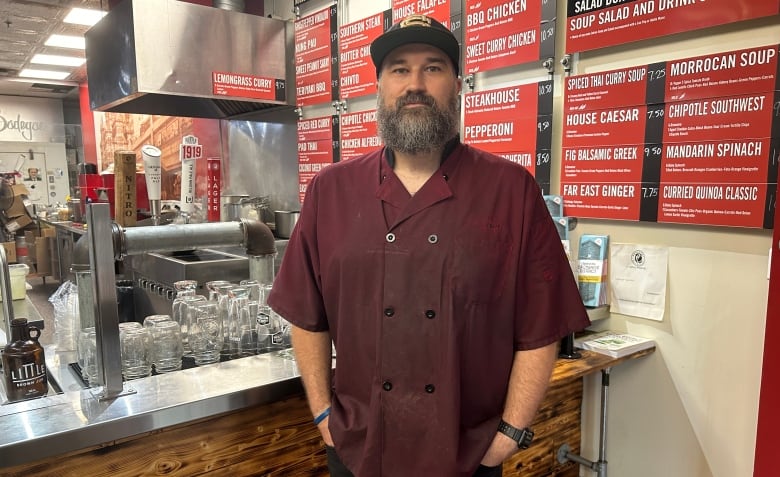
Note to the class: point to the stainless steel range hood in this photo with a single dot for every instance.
(180, 59)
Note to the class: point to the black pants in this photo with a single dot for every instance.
(337, 468)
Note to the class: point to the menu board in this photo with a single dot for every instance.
(358, 134)
(500, 33)
(316, 80)
(514, 122)
(747, 71)
(593, 24)
(357, 74)
(247, 86)
(438, 9)
(318, 147)
(703, 151)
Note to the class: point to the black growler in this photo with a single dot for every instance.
(24, 365)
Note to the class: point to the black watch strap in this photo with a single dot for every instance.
(523, 436)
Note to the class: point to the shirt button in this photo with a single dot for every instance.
(387, 385)
(390, 237)
(430, 388)
(430, 314)
(389, 311)
(433, 238)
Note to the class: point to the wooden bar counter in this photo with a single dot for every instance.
(206, 421)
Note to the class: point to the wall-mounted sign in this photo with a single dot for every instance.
(358, 134)
(438, 9)
(357, 75)
(318, 147)
(747, 71)
(500, 33)
(316, 81)
(514, 122)
(248, 86)
(29, 119)
(595, 24)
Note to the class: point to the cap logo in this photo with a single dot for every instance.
(416, 20)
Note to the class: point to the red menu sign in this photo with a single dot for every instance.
(747, 71)
(438, 9)
(248, 86)
(595, 24)
(358, 134)
(315, 50)
(604, 127)
(736, 205)
(712, 119)
(318, 147)
(500, 33)
(702, 149)
(501, 120)
(357, 74)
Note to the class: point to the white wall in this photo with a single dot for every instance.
(690, 409)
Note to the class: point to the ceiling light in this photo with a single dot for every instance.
(46, 74)
(66, 41)
(58, 60)
(84, 16)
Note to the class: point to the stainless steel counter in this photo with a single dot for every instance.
(77, 419)
(39, 428)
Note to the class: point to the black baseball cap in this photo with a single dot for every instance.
(416, 29)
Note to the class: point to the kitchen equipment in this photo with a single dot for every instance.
(154, 275)
(74, 210)
(285, 222)
(232, 205)
(210, 68)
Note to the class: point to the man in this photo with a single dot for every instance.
(436, 270)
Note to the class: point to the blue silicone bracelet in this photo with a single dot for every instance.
(321, 417)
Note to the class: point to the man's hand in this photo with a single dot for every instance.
(323, 427)
(500, 449)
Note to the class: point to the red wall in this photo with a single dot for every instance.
(87, 126)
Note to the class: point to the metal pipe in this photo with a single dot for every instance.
(252, 234)
(261, 268)
(138, 240)
(5, 289)
(602, 469)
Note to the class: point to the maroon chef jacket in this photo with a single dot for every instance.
(427, 297)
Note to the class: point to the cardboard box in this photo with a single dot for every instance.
(10, 251)
(42, 256)
(18, 223)
(48, 232)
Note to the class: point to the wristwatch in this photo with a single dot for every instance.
(523, 436)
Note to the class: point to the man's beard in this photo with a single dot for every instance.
(417, 130)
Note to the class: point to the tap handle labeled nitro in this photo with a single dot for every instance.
(24, 363)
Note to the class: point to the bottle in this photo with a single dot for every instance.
(24, 365)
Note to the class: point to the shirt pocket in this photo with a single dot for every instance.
(481, 265)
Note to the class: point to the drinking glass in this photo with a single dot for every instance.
(205, 333)
(222, 298)
(212, 288)
(135, 345)
(254, 289)
(87, 355)
(167, 350)
(240, 326)
(151, 320)
(180, 314)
